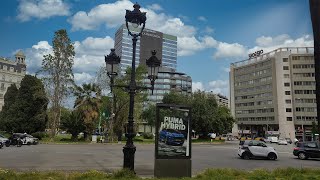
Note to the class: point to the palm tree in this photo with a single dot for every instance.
(88, 102)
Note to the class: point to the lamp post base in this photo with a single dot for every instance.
(129, 153)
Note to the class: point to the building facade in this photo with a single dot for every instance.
(169, 80)
(11, 72)
(222, 100)
(274, 94)
(166, 46)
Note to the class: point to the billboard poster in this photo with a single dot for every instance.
(173, 137)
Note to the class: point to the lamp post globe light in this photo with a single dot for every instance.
(135, 18)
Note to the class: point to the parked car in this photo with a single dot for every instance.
(288, 140)
(273, 139)
(14, 140)
(3, 139)
(171, 137)
(282, 141)
(307, 149)
(1, 145)
(27, 139)
(256, 149)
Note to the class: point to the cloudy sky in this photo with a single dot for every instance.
(211, 34)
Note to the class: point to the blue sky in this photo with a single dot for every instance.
(211, 34)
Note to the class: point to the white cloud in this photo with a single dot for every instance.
(197, 86)
(226, 50)
(90, 53)
(34, 55)
(81, 78)
(88, 59)
(269, 43)
(28, 9)
(111, 15)
(208, 30)
(155, 7)
(190, 45)
(202, 18)
(219, 86)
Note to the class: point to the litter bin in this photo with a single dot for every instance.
(94, 138)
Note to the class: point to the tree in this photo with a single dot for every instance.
(58, 73)
(149, 114)
(226, 119)
(9, 101)
(122, 99)
(207, 116)
(72, 122)
(204, 113)
(88, 102)
(28, 113)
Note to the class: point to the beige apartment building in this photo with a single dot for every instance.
(274, 94)
(11, 72)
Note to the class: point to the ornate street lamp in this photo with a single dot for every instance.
(112, 64)
(153, 64)
(136, 19)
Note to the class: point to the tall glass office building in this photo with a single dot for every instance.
(166, 47)
(164, 44)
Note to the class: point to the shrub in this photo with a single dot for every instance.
(40, 135)
(147, 135)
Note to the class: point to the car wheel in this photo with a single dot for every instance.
(28, 143)
(302, 156)
(272, 156)
(1, 145)
(246, 155)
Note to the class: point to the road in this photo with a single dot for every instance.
(107, 157)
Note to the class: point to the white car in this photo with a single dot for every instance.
(256, 149)
(282, 142)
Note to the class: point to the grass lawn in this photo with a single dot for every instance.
(209, 174)
(66, 139)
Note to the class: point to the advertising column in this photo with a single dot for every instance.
(173, 141)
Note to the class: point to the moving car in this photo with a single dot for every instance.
(171, 137)
(282, 141)
(307, 149)
(256, 149)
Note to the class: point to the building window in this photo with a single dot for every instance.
(285, 67)
(288, 110)
(289, 118)
(287, 84)
(288, 101)
(285, 59)
(286, 75)
(2, 86)
(287, 92)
